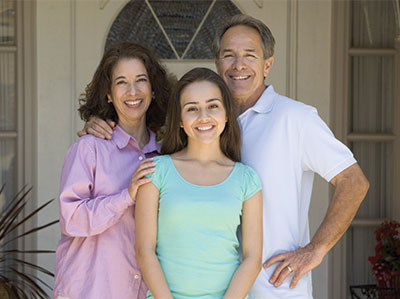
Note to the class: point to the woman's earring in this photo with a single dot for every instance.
(109, 101)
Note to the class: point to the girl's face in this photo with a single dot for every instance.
(130, 91)
(203, 114)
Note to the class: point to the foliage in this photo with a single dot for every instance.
(14, 283)
(387, 252)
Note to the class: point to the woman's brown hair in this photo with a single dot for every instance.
(94, 100)
(175, 138)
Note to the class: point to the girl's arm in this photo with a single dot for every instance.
(250, 267)
(146, 214)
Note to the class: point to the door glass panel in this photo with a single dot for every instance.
(361, 243)
(7, 169)
(7, 22)
(7, 92)
(376, 161)
(373, 24)
(372, 91)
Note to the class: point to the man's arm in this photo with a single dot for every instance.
(351, 186)
(98, 127)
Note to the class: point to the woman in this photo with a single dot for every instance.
(95, 257)
(187, 217)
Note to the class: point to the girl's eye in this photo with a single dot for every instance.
(213, 106)
(191, 109)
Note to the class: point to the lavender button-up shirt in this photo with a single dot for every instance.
(95, 257)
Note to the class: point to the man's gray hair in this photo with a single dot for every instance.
(267, 39)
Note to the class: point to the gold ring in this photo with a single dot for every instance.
(290, 269)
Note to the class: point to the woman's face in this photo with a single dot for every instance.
(130, 91)
(203, 114)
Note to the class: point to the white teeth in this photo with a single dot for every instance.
(133, 103)
(240, 77)
(204, 128)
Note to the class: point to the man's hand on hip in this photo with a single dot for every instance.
(298, 261)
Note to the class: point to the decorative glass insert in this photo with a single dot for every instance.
(375, 159)
(7, 92)
(372, 92)
(173, 29)
(360, 245)
(372, 23)
(7, 22)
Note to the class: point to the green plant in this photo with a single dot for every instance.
(14, 283)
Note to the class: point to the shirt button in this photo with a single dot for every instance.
(136, 276)
(140, 158)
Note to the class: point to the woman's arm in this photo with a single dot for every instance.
(250, 267)
(146, 215)
(82, 214)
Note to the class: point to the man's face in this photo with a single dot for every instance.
(242, 65)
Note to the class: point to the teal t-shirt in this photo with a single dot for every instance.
(197, 245)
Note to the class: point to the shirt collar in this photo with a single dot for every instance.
(266, 101)
(121, 139)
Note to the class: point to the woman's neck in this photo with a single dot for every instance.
(137, 130)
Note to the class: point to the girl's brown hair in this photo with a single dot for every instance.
(175, 138)
(94, 100)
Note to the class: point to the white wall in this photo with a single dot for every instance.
(70, 40)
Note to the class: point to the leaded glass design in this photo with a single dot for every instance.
(7, 22)
(173, 29)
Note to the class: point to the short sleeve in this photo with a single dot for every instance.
(322, 152)
(251, 183)
(158, 175)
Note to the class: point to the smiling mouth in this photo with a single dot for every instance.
(133, 103)
(242, 77)
(204, 128)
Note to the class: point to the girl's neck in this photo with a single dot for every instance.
(203, 152)
(137, 130)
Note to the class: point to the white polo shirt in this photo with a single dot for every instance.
(285, 142)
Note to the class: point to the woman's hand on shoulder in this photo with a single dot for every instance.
(139, 178)
(97, 127)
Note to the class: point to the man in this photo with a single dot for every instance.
(286, 142)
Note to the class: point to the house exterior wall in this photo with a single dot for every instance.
(70, 40)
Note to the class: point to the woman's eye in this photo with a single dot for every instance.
(213, 106)
(121, 82)
(191, 109)
(142, 80)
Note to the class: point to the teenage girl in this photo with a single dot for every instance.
(187, 217)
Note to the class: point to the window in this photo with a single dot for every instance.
(173, 29)
(366, 109)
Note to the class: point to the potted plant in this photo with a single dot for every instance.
(14, 282)
(386, 262)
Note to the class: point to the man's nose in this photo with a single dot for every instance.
(239, 63)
